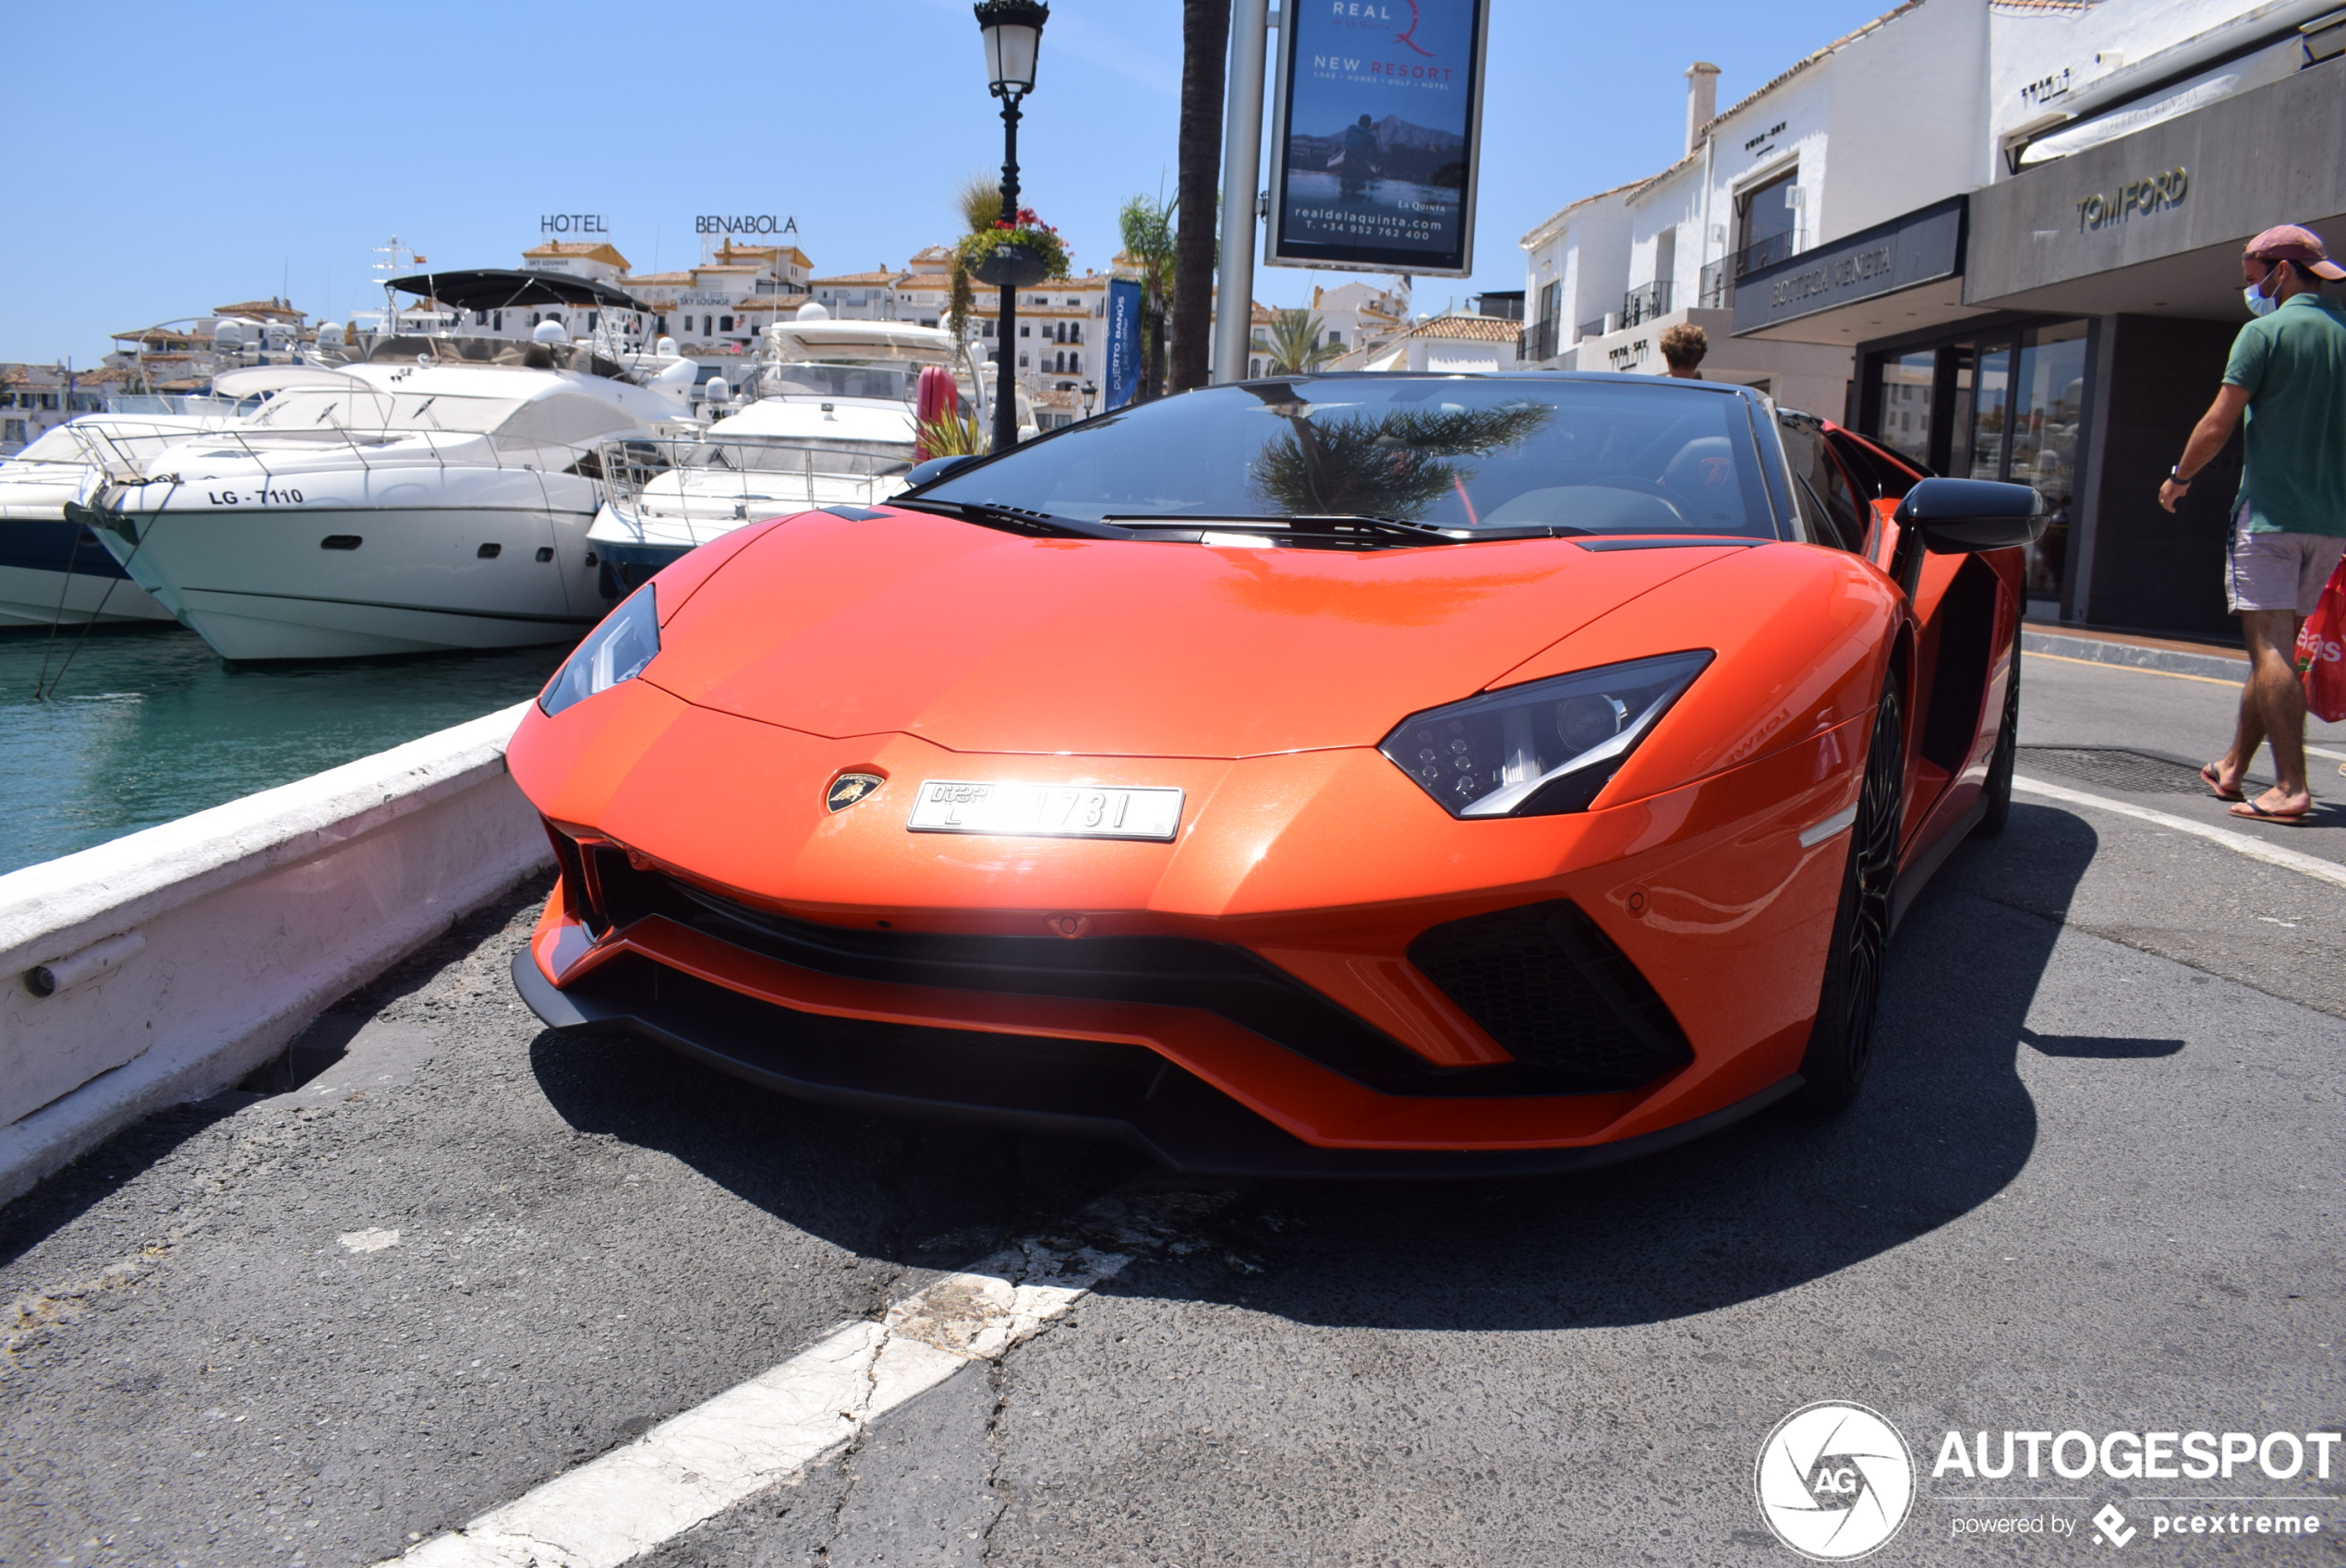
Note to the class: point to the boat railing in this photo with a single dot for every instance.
(703, 479)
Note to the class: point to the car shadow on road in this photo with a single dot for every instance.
(1776, 1201)
(1944, 1124)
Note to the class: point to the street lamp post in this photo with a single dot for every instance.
(1091, 395)
(1013, 33)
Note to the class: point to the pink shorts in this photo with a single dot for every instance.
(2277, 571)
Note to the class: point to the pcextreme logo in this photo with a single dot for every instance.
(1835, 1481)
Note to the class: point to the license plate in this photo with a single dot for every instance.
(1045, 811)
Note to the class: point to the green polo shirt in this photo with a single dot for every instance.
(2292, 363)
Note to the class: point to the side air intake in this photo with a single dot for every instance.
(1543, 981)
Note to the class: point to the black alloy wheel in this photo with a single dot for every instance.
(1841, 1041)
(1996, 793)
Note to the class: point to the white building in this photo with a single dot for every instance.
(36, 399)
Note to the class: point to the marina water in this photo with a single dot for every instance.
(149, 725)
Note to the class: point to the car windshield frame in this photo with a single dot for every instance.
(1450, 432)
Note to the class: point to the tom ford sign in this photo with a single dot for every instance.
(1919, 247)
(2157, 194)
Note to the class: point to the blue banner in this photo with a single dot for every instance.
(1124, 342)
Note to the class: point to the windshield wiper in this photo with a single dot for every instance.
(1017, 519)
(1352, 530)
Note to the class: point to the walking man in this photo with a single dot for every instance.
(2288, 373)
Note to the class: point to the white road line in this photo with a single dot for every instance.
(2325, 752)
(2241, 843)
(749, 1438)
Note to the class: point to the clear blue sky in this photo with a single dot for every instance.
(175, 157)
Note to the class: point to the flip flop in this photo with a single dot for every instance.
(2208, 776)
(2250, 809)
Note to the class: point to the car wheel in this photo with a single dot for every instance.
(1841, 1041)
(1997, 793)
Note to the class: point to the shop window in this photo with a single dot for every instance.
(1901, 423)
(2048, 398)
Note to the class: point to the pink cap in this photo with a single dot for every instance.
(2292, 243)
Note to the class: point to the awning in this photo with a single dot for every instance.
(502, 288)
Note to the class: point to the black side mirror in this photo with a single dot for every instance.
(1965, 516)
(1961, 517)
(938, 468)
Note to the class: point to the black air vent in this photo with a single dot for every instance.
(489, 552)
(340, 541)
(1545, 983)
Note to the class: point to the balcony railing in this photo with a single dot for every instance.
(1646, 302)
(1539, 340)
(1595, 329)
(1716, 291)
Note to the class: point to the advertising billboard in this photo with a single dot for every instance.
(1376, 126)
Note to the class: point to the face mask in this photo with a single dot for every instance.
(2255, 295)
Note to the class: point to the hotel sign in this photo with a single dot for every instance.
(744, 224)
(1919, 247)
(574, 223)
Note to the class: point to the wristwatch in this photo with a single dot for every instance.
(2175, 478)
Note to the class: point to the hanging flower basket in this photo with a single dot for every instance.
(1014, 254)
(1012, 266)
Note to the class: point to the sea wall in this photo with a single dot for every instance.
(163, 966)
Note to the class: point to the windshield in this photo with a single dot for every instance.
(892, 383)
(307, 409)
(1623, 454)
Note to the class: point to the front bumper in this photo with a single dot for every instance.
(1082, 1087)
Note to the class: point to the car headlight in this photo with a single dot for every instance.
(1544, 747)
(617, 650)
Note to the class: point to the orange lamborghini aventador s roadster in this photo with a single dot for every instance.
(1344, 774)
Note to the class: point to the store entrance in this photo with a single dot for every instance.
(1995, 406)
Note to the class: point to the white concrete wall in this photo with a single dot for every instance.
(242, 922)
(2039, 59)
(1908, 118)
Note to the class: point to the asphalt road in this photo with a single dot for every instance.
(2093, 1185)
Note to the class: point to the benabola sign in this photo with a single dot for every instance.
(746, 223)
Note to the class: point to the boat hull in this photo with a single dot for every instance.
(283, 582)
(57, 574)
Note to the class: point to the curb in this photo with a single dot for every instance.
(2096, 650)
(162, 966)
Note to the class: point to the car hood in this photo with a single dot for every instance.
(983, 641)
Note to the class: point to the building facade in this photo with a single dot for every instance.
(2061, 314)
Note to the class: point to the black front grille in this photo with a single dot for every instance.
(1545, 983)
(1168, 971)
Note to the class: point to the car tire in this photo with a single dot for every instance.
(1996, 794)
(1839, 1050)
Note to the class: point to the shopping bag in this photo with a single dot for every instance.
(2321, 652)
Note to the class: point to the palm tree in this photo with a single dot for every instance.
(1205, 38)
(1295, 348)
(1148, 232)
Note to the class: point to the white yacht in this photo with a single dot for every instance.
(831, 421)
(433, 492)
(53, 572)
